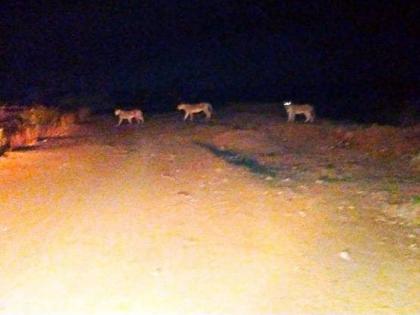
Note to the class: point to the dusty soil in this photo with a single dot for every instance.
(242, 215)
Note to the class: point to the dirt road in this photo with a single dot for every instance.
(142, 220)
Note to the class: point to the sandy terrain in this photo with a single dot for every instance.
(163, 218)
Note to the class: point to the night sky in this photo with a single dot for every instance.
(341, 57)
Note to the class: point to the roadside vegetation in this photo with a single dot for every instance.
(25, 127)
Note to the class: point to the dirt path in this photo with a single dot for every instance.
(144, 221)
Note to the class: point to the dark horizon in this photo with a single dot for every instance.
(343, 58)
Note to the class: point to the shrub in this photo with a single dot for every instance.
(62, 128)
(83, 114)
(68, 119)
(26, 136)
(39, 115)
(3, 141)
(35, 123)
(3, 138)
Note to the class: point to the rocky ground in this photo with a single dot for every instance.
(245, 214)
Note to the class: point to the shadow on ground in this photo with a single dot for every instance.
(238, 159)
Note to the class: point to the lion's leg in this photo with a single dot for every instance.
(208, 114)
(312, 116)
(119, 121)
(191, 116)
(185, 116)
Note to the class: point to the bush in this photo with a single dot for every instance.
(62, 128)
(67, 119)
(39, 115)
(35, 123)
(83, 114)
(3, 141)
(3, 138)
(26, 136)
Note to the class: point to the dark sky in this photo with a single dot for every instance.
(210, 49)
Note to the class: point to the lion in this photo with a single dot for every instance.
(299, 109)
(191, 109)
(129, 115)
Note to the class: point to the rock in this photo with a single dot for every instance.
(345, 255)
(413, 247)
(183, 193)
(302, 213)
(168, 176)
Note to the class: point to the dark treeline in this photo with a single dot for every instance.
(353, 62)
(373, 106)
(365, 104)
